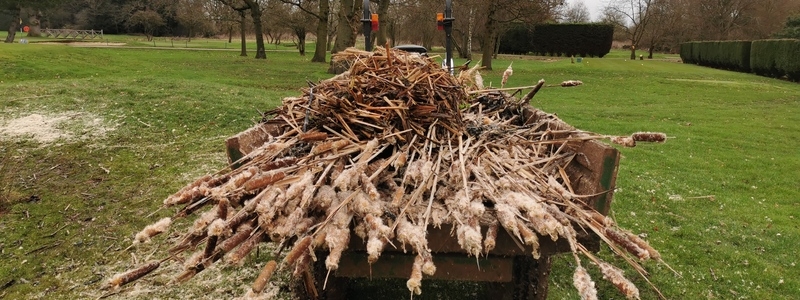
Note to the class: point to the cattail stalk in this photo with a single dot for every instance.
(264, 276)
(134, 274)
(263, 180)
(299, 249)
(652, 137)
(624, 241)
(617, 278)
(245, 248)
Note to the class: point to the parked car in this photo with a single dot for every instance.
(413, 49)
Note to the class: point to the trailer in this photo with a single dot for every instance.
(508, 272)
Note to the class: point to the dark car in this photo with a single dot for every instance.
(413, 49)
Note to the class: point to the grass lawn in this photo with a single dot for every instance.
(719, 199)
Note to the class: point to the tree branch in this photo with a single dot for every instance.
(299, 5)
(241, 8)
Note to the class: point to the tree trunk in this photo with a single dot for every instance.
(383, 22)
(255, 12)
(242, 30)
(487, 46)
(459, 49)
(332, 29)
(470, 31)
(322, 32)
(230, 33)
(301, 38)
(12, 29)
(35, 29)
(345, 30)
(496, 41)
(633, 52)
(392, 32)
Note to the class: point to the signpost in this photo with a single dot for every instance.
(445, 22)
(370, 22)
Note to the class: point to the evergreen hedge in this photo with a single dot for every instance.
(776, 58)
(730, 55)
(686, 53)
(559, 39)
(517, 40)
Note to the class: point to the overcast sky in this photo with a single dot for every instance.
(595, 7)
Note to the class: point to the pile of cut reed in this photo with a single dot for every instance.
(381, 153)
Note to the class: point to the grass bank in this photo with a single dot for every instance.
(719, 199)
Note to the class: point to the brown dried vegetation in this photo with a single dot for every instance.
(386, 150)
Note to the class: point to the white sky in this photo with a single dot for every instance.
(595, 7)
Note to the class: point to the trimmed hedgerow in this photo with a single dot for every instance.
(559, 39)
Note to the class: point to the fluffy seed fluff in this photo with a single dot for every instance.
(617, 278)
(624, 141)
(470, 239)
(152, 230)
(584, 284)
(218, 228)
(414, 283)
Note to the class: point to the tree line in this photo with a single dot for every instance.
(335, 24)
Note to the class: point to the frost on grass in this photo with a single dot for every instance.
(48, 128)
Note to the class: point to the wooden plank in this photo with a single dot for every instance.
(441, 242)
(246, 141)
(449, 267)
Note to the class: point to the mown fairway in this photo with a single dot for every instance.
(719, 199)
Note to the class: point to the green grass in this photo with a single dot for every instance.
(140, 41)
(68, 209)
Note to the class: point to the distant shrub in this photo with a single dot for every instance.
(559, 39)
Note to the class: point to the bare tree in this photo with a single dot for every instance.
(148, 20)
(14, 9)
(636, 14)
(255, 13)
(771, 16)
(322, 16)
(223, 18)
(500, 13)
(35, 21)
(297, 19)
(723, 17)
(192, 14)
(665, 18)
(416, 21)
(575, 12)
